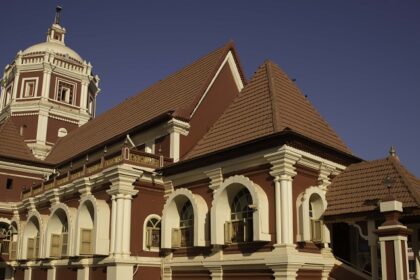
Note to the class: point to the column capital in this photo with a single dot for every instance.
(53, 196)
(285, 271)
(83, 186)
(178, 126)
(283, 162)
(325, 171)
(216, 178)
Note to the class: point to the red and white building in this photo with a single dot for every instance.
(203, 175)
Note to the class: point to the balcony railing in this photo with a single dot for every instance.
(126, 155)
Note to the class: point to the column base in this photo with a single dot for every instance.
(284, 249)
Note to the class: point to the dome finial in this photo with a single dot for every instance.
(57, 15)
(392, 151)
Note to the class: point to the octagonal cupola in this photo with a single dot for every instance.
(48, 90)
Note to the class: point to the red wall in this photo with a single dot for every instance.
(63, 273)
(149, 200)
(149, 273)
(97, 273)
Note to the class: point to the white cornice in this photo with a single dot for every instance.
(25, 168)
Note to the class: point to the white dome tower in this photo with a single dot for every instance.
(48, 90)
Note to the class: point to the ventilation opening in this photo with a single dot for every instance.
(9, 183)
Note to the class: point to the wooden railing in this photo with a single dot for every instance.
(126, 155)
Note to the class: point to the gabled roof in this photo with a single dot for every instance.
(269, 103)
(176, 95)
(12, 144)
(360, 187)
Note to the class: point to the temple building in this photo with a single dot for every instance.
(204, 175)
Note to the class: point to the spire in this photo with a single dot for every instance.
(57, 15)
(56, 32)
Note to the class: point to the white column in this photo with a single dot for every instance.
(51, 273)
(113, 223)
(278, 210)
(41, 136)
(283, 171)
(27, 275)
(121, 191)
(15, 86)
(119, 223)
(46, 81)
(127, 225)
(286, 209)
(175, 146)
(83, 273)
(84, 96)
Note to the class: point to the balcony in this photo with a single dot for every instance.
(125, 156)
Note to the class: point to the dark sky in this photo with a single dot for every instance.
(357, 60)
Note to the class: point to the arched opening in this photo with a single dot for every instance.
(239, 229)
(86, 222)
(31, 239)
(8, 240)
(239, 212)
(316, 209)
(184, 220)
(57, 234)
(151, 233)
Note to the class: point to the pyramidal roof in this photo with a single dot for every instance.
(361, 186)
(177, 95)
(12, 144)
(268, 104)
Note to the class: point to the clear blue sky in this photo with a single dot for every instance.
(357, 60)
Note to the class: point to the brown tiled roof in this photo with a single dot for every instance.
(360, 187)
(268, 104)
(177, 95)
(12, 144)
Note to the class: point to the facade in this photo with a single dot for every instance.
(204, 175)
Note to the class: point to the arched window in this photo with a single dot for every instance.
(86, 225)
(315, 212)
(239, 212)
(184, 220)
(58, 234)
(152, 233)
(239, 229)
(186, 225)
(31, 239)
(5, 238)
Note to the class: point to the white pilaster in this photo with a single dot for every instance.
(119, 272)
(285, 272)
(216, 273)
(84, 96)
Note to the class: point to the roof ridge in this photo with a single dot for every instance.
(271, 88)
(401, 170)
